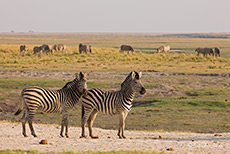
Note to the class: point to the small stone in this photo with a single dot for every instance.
(217, 135)
(160, 136)
(170, 149)
(43, 142)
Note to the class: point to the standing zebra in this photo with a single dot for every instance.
(112, 103)
(51, 101)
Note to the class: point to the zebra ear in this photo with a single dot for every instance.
(140, 74)
(133, 75)
(76, 75)
(85, 75)
(81, 75)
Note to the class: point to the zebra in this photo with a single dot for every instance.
(205, 51)
(126, 48)
(111, 103)
(52, 101)
(22, 48)
(165, 48)
(217, 51)
(85, 48)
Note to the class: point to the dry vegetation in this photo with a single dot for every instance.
(106, 56)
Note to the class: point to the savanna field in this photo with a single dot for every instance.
(185, 92)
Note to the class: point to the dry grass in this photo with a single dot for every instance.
(106, 56)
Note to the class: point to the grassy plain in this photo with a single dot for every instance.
(172, 103)
(106, 56)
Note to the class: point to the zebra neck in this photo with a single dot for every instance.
(128, 95)
(127, 99)
(73, 94)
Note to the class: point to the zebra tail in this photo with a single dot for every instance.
(20, 107)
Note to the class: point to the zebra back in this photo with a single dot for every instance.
(55, 100)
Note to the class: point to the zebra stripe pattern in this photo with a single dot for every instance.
(52, 101)
(111, 103)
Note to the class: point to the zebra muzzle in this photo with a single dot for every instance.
(143, 91)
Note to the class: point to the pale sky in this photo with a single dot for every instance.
(138, 16)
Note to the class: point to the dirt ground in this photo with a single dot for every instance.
(173, 142)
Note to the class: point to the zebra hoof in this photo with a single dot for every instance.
(35, 135)
(94, 137)
(82, 136)
(61, 135)
(25, 135)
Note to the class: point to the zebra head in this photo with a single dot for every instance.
(133, 81)
(81, 83)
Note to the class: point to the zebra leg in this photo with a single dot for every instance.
(90, 123)
(85, 117)
(66, 127)
(121, 132)
(63, 123)
(31, 126)
(24, 119)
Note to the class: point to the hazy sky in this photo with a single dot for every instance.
(115, 15)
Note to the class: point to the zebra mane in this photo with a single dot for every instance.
(129, 78)
(70, 84)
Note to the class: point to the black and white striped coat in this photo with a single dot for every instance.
(111, 103)
(52, 101)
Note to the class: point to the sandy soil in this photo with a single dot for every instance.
(11, 138)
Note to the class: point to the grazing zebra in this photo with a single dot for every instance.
(37, 49)
(51, 101)
(85, 48)
(126, 48)
(165, 48)
(112, 103)
(45, 48)
(217, 52)
(22, 48)
(205, 51)
(58, 47)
